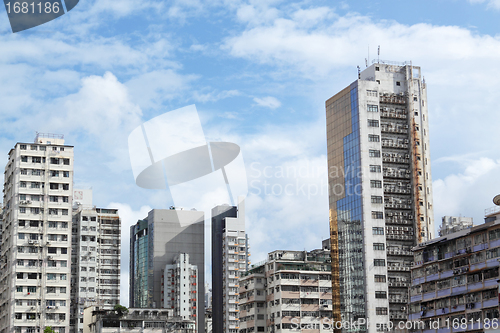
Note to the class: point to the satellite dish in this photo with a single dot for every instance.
(496, 200)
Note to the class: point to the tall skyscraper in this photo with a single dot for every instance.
(230, 253)
(35, 269)
(380, 190)
(95, 258)
(155, 242)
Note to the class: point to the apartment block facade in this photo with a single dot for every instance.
(181, 288)
(290, 292)
(380, 192)
(230, 261)
(95, 260)
(454, 286)
(35, 255)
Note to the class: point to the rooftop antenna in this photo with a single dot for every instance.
(378, 52)
(359, 72)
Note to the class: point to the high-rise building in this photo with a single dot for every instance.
(380, 192)
(35, 266)
(290, 292)
(154, 243)
(181, 288)
(95, 258)
(451, 224)
(230, 259)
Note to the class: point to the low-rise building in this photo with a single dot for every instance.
(290, 291)
(98, 320)
(454, 285)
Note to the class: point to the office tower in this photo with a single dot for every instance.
(95, 258)
(451, 224)
(290, 292)
(35, 269)
(380, 192)
(229, 262)
(154, 243)
(455, 280)
(180, 288)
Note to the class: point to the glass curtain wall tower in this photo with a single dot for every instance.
(380, 192)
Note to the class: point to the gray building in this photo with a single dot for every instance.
(154, 243)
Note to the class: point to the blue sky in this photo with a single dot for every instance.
(259, 73)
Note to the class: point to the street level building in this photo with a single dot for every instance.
(289, 292)
(36, 237)
(95, 258)
(454, 286)
(380, 190)
(97, 320)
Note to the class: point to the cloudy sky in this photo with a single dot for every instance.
(259, 73)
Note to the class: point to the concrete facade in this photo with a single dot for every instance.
(230, 259)
(35, 265)
(380, 190)
(154, 243)
(95, 260)
(454, 286)
(290, 292)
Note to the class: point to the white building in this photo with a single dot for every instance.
(380, 189)
(180, 288)
(290, 292)
(35, 265)
(230, 260)
(451, 224)
(95, 258)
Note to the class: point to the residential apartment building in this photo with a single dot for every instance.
(451, 224)
(154, 243)
(230, 260)
(380, 192)
(290, 292)
(454, 286)
(181, 288)
(35, 269)
(95, 258)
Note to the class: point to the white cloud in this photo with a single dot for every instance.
(468, 192)
(495, 4)
(268, 102)
(214, 96)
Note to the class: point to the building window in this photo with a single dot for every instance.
(377, 68)
(373, 138)
(375, 183)
(377, 215)
(378, 246)
(398, 83)
(381, 311)
(380, 278)
(22, 147)
(372, 123)
(372, 108)
(66, 161)
(374, 153)
(22, 210)
(22, 184)
(378, 230)
(376, 199)
(380, 294)
(24, 158)
(371, 93)
(379, 263)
